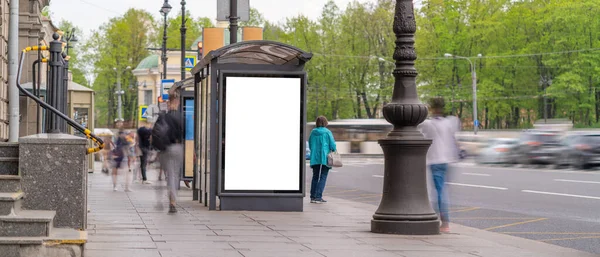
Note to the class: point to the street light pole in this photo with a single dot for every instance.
(183, 31)
(474, 83)
(119, 94)
(233, 21)
(166, 8)
(405, 207)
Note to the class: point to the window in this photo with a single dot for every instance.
(148, 97)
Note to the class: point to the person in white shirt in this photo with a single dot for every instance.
(443, 151)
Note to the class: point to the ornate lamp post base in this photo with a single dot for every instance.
(405, 207)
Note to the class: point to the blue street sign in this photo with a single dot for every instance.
(189, 61)
(165, 85)
(144, 112)
(165, 97)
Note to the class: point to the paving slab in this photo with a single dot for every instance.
(131, 224)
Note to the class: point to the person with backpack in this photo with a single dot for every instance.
(443, 151)
(144, 134)
(167, 136)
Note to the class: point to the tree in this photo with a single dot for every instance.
(117, 44)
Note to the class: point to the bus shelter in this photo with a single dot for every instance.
(185, 90)
(250, 117)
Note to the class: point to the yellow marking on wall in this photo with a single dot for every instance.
(516, 223)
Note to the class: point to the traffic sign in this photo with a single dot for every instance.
(165, 85)
(143, 112)
(190, 61)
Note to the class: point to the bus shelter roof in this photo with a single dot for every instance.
(255, 52)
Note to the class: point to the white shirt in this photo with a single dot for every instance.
(441, 130)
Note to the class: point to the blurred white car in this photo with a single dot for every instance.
(497, 151)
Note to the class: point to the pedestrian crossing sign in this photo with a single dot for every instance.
(190, 61)
(143, 112)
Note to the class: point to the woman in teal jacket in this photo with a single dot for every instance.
(321, 143)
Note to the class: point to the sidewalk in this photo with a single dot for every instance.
(132, 225)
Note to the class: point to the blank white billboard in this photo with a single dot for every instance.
(262, 133)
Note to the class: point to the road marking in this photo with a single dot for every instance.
(577, 181)
(516, 223)
(465, 210)
(366, 197)
(480, 186)
(569, 238)
(378, 176)
(559, 194)
(476, 174)
(343, 191)
(550, 233)
(491, 218)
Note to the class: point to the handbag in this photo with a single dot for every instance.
(334, 160)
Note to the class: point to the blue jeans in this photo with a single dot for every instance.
(438, 171)
(319, 179)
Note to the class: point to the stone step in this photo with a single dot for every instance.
(10, 202)
(9, 149)
(61, 242)
(27, 223)
(9, 165)
(10, 183)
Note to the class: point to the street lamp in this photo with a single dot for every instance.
(166, 8)
(474, 78)
(404, 206)
(69, 37)
(119, 93)
(183, 30)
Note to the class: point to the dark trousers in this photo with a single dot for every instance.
(319, 178)
(144, 162)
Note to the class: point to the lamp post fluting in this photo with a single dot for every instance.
(183, 32)
(166, 8)
(405, 207)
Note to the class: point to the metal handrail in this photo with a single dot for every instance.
(48, 107)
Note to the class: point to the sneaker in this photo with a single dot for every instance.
(146, 182)
(128, 190)
(115, 189)
(445, 229)
(313, 201)
(321, 200)
(172, 209)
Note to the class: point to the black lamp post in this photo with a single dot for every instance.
(183, 30)
(69, 37)
(166, 8)
(233, 21)
(405, 207)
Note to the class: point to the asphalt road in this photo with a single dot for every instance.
(560, 207)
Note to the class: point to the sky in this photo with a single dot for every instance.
(90, 14)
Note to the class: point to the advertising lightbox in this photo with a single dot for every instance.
(263, 148)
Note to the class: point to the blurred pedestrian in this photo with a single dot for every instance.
(167, 136)
(107, 154)
(443, 151)
(144, 134)
(321, 143)
(119, 152)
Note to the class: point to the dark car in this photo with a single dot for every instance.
(536, 147)
(579, 151)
